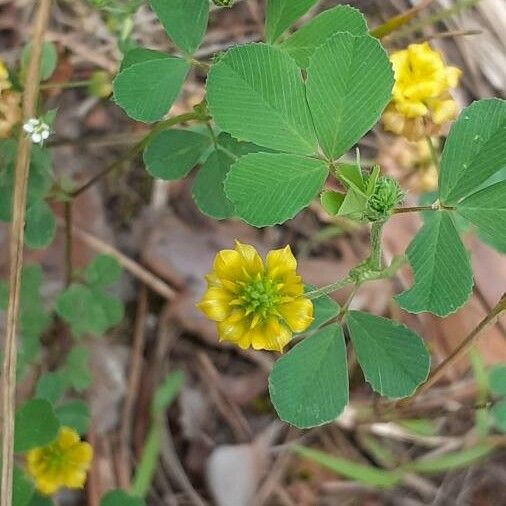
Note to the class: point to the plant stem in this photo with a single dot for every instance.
(68, 213)
(460, 351)
(375, 255)
(433, 153)
(70, 84)
(16, 254)
(137, 148)
(324, 290)
(415, 209)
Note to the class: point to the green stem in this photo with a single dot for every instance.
(137, 148)
(333, 287)
(70, 84)
(374, 259)
(433, 152)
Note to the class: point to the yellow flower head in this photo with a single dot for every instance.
(62, 463)
(4, 77)
(255, 305)
(420, 96)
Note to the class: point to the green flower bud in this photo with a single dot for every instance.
(100, 84)
(386, 196)
(223, 3)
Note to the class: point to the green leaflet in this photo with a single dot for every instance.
(147, 90)
(349, 83)
(140, 55)
(342, 18)
(309, 384)
(441, 267)
(185, 21)
(487, 210)
(270, 188)
(474, 151)
(393, 358)
(173, 153)
(40, 227)
(28, 434)
(256, 93)
(280, 14)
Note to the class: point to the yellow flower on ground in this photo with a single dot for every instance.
(4, 77)
(421, 101)
(256, 305)
(61, 464)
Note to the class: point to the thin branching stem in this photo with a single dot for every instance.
(460, 351)
(16, 239)
(137, 148)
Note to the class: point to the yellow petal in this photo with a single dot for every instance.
(234, 327)
(452, 76)
(251, 259)
(228, 264)
(298, 314)
(280, 260)
(215, 303)
(443, 110)
(67, 438)
(271, 336)
(74, 479)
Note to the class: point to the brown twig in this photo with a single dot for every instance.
(141, 273)
(135, 369)
(16, 253)
(68, 212)
(460, 351)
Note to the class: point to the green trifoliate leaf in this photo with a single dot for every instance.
(474, 151)
(40, 226)
(256, 93)
(36, 425)
(22, 488)
(173, 153)
(185, 21)
(393, 358)
(349, 83)
(76, 370)
(343, 18)
(88, 311)
(280, 14)
(140, 55)
(309, 384)
(208, 187)
(270, 188)
(51, 387)
(102, 271)
(441, 267)
(75, 414)
(147, 90)
(487, 210)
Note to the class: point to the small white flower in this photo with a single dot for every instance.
(37, 130)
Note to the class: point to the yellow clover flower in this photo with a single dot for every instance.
(62, 463)
(4, 77)
(255, 305)
(421, 101)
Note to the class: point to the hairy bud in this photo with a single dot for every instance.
(223, 3)
(386, 196)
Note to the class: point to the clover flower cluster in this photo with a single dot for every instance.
(421, 103)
